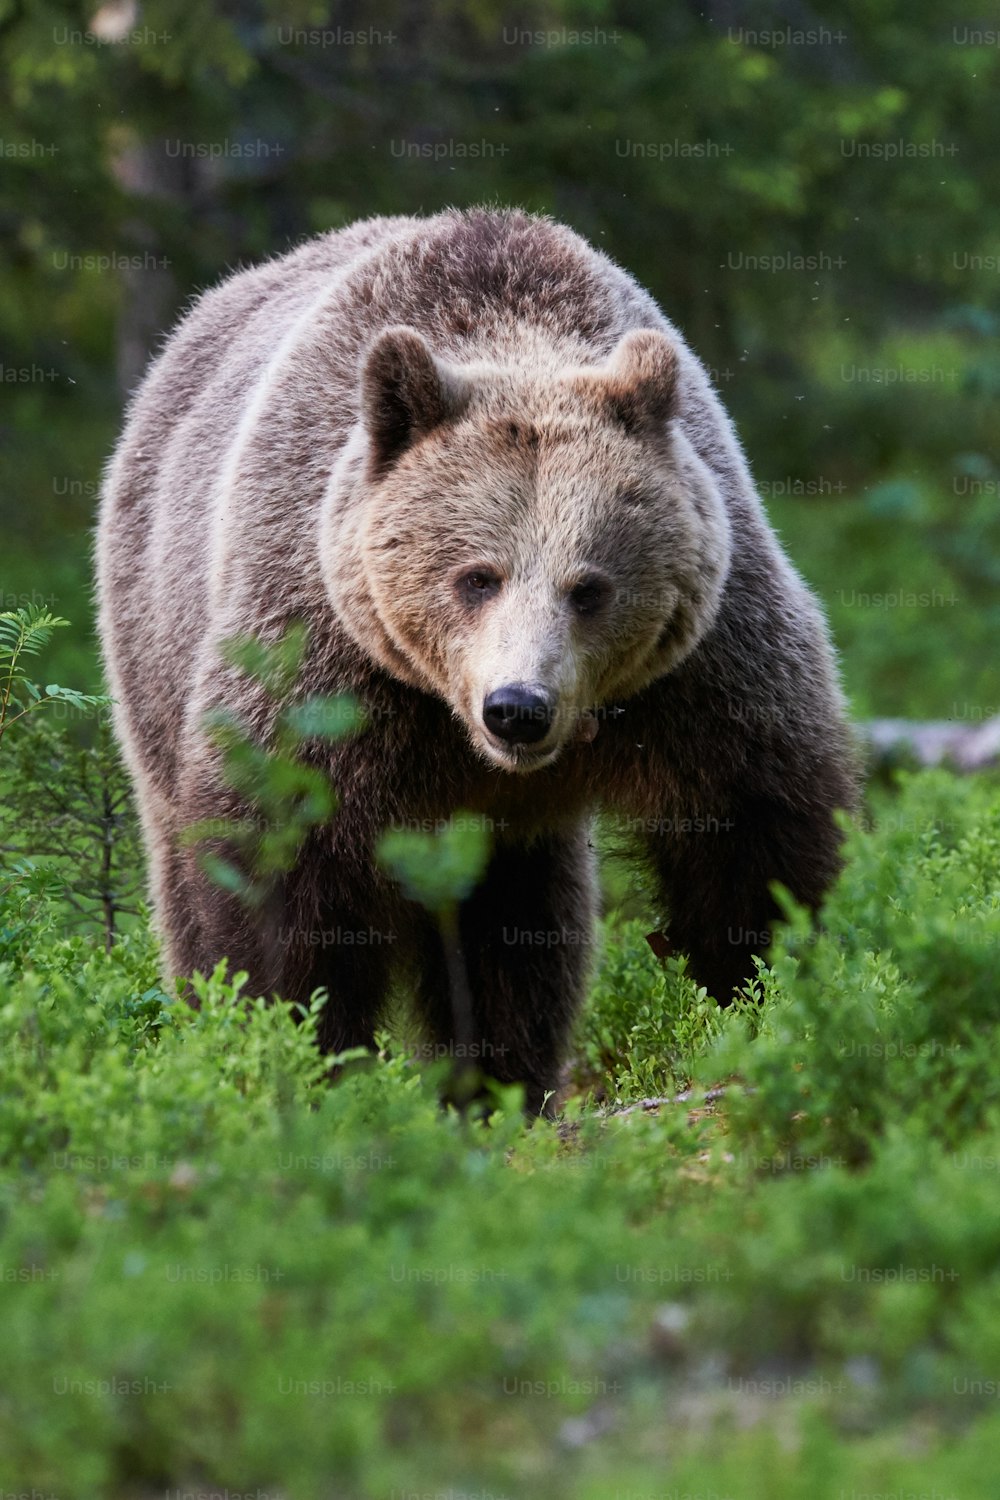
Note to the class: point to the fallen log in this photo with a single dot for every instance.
(964, 747)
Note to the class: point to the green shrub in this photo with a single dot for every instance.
(217, 1271)
(888, 1013)
(646, 1021)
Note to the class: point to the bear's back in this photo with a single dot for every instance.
(161, 488)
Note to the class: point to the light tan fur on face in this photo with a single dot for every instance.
(543, 480)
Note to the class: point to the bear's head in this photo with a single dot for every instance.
(528, 542)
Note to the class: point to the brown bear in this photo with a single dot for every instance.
(474, 457)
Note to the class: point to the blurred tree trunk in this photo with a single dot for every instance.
(143, 169)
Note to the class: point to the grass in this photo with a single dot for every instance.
(219, 1273)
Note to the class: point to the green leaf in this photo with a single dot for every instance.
(438, 869)
(275, 665)
(224, 874)
(23, 632)
(325, 718)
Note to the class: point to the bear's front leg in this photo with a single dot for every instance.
(714, 873)
(526, 935)
(315, 925)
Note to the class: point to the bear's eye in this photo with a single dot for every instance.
(588, 596)
(479, 584)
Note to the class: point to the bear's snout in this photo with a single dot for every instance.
(518, 714)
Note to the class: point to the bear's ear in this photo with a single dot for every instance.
(638, 384)
(406, 391)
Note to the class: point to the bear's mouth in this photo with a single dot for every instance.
(524, 758)
(517, 758)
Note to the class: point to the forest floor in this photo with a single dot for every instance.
(778, 1281)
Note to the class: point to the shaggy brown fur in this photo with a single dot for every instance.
(473, 455)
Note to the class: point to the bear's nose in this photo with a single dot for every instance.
(518, 714)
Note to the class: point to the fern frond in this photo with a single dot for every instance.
(23, 632)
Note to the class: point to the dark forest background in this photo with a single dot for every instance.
(812, 193)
